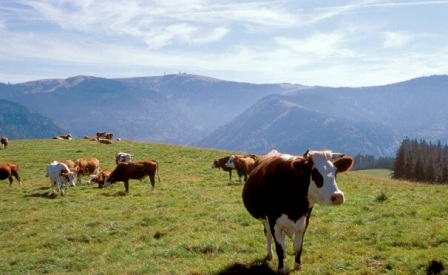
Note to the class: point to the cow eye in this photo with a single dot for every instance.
(317, 178)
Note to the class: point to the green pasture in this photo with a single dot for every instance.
(194, 221)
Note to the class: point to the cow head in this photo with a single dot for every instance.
(68, 177)
(324, 167)
(230, 162)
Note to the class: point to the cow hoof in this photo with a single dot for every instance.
(297, 266)
(282, 271)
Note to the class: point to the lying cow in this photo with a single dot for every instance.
(86, 167)
(122, 157)
(282, 190)
(9, 170)
(243, 165)
(100, 177)
(67, 137)
(133, 170)
(4, 141)
(60, 177)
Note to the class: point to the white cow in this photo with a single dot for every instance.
(122, 157)
(60, 177)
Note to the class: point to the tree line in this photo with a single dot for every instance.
(419, 160)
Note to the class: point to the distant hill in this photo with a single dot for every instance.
(17, 122)
(186, 109)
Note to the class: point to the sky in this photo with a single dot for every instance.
(327, 43)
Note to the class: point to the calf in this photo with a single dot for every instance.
(86, 167)
(282, 190)
(60, 177)
(242, 165)
(4, 140)
(9, 170)
(133, 170)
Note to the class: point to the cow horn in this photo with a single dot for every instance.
(306, 155)
(337, 155)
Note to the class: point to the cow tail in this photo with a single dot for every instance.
(157, 171)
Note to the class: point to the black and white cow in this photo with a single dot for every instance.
(282, 190)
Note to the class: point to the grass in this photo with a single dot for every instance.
(194, 221)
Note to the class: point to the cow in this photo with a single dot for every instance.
(70, 163)
(100, 177)
(86, 167)
(105, 141)
(133, 170)
(9, 170)
(60, 177)
(221, 164)
(122, 157)
(66, 137)
(242, 165)
(282, 190)
(100, 135)
(4, 140)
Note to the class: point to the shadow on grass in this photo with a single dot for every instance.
(116, 194)
(45, 195)
(257, 267)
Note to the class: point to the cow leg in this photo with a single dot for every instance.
(153, 182)
(16, 175)
(268, 234)
(230, 174)
(298, 240)
(126, 186)
(10, 181)
(279, 240)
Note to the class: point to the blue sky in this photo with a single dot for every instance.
(315, 42)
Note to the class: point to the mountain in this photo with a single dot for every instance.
(186, 109)
(17, 122)
(368, 120)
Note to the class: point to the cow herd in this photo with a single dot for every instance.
(279, 189)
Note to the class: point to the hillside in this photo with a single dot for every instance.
(18, 122)
(194, 221)
(186, 109)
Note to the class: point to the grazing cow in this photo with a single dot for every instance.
(60, 177)
(242, 165)
(4, 140)
(86, 167)
(133, 170)
(100, 177)
(282, 190)
(122, 157)
(9, 170)
(70, 163)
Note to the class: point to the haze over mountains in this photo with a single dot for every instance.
(201, 111)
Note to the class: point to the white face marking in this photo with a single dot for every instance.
(322, 192)
(231, 162)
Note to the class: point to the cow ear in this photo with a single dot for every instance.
(301, 165)
(343, 164)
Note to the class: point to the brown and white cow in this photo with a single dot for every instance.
(9, 170)
(4, 141)
(242, 164)
(100, 178)
(133, 170)
(222, 164)
(282, 190)
(70, 163)
(122, 157)
(67, 137)
(86, 167)
(105, 141)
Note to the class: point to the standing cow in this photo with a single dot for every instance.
(4, 140)
(9, 170)
(222, 163)
(133, 170)
(60, 177)
(242, 164)
(86, 167)
(282, 190)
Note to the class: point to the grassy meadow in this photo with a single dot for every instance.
(194, 221)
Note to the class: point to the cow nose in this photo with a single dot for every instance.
(337, 199)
